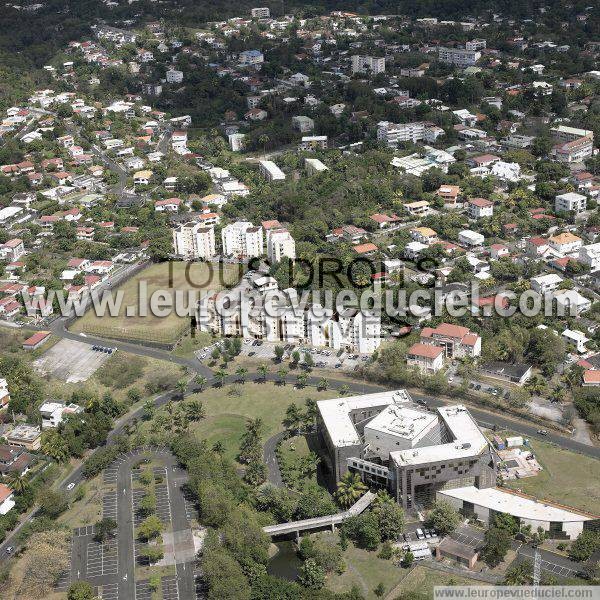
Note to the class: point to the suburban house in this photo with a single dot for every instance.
(427, 358)
(478, 208)
(455, 341)
(6, 499)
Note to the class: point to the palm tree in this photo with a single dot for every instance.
(557, 394)
(181, 386)
(194, 410)
(17, 482)
(282, 374)
(293, 418)
(220, 377)
(200, 381)
(350, 489)
(263, 370)
(323, 383)
(301, 379)
(264, 140)
(241, 372)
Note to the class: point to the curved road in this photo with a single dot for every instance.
(485, 418)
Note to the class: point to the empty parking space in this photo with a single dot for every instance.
(109, 505)
(110, 474)
(170, 591)
(81, 531)
(70, 361)
(102, 559)
(163, 503)
(109, 591)
(557, 569)
(142, 590)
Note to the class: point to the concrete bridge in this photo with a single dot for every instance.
(319, 522)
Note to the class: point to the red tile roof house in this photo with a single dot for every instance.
(498, 251)
(365, 249)
(12, 249)
(6, 499)
(485, 160)
(536, 246)
(455, 341)
(36, 340)
(383, 220)
(9, 307)
(428, 359)
(478, 208)
(170, 204)
(591, 378)
(78, 263)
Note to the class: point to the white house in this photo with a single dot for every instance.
(470, 238)
(479, 208)
(590, 255)
(6, 499)
(570, 201)
(546, 283)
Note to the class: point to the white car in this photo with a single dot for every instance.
(71, 486)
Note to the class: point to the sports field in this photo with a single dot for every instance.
(132, 323)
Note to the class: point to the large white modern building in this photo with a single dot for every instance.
(399, 446)
(194, 240)
(280, 244)
(570, 202)
(368, 64)
(460, 57)
(484, 504)
(394, 133)
(242, 239)
(270, 171)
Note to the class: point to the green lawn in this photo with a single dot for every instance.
(167, 329)
(227, 408)
(366, 571)
(422, 580)
(568, 478)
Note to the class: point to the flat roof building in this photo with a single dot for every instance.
(399, 446)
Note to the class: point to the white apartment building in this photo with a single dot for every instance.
(194, 240)
(459, 56)
(576, 150)
(590, 255)
(564, 133)
(174, 76)
(351, 330)
(570, 202)
(242, 239)
(476, 45)
(392, 133)
(368, 64)
(280, 244)
(251, 57)
(261, 12)
(270, 171)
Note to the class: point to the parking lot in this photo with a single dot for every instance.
(102, 559)
(109, 591)
(261, 351)
(109, 505)
(70, 361)
(82, 531)
(468, 536)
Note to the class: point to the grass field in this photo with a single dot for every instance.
(167, 329)
(568, 478)
(422, 580)
(227, 408)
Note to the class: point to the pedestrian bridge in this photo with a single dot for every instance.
(319, 522)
